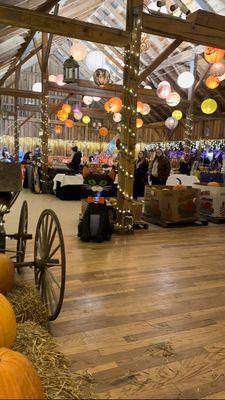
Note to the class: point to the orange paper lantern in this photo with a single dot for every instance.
(115, 104)
(213, 55)
(212, 82)
(103, 131)
(62, 115)
(58, 129)
(140, 107)
(67, 108)
(106, 107)
(139, 122)
(69, 123)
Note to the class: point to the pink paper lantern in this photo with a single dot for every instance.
(171, 123)
(163, 90)
(59, 80)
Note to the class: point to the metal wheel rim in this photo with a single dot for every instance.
(22, 230)
(50, 275)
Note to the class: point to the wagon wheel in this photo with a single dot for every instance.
(50, 262)
(21, 236)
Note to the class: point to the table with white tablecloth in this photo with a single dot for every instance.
(187, 180)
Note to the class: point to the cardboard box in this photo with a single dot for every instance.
(136, 210)
(212, 200)
(163, 203)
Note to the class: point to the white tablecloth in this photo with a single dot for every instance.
(68, 180)
(185, 180)
(71, 180)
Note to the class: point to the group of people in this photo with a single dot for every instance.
(155, 171)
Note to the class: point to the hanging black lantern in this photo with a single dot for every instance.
(70, 70)
(101, 77)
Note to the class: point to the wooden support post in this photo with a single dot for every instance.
(128, 134)
(44, 117)
(16, 127)
(188, 129)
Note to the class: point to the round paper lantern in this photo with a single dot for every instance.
(59, 80)
(146, 109)
(140, 107)
(7, 272)
(171, 123)
(209, 106)
(78, 115)
(7, 324)
(95, 60)
(101, 77)
(67, 108)
(96, 98)
(173, 99)
(177, 114)
(78, 51)
(213, 55)
(58, 129)
(117, 117)
(106, 107)
(19, 379)
(115, 104)
(163, 90)
(212, 82)
(69, 123)
(86, 119)
(103, 131)
(52, 78)
(87, 100)
(37, 87)
(218, 69)
(186, 79)
(139, 123)
(62, 115)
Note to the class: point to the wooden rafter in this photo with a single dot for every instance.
(169, 50)
(200, 27)
(37, 21)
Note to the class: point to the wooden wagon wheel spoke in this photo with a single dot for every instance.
(21, 235)
(50, 271)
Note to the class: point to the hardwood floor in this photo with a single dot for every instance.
(145, 314)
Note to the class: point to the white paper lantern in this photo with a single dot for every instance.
(146, 109)
(78, 51)
(87, 100)
(117, 117)
(52, 78)
(185, 80)
(95, 60)
(96, 98)
(173, 99)
(163, 90)
(37, 87)
(78, 115)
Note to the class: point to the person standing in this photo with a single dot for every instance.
(76, 160)
(160, 168)
(140, 175)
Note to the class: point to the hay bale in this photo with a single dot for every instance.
(41, 349)
(27, 304)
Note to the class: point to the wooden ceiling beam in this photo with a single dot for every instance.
(28, 94)
(169, 50)
(61, 26)
(200, 27)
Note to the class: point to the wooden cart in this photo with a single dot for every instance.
(49, 261)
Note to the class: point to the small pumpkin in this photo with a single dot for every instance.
(7, 324)
(18, 377)
(216, 184)
(179, 186)
(7, 272)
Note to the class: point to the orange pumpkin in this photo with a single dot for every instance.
(7, 272)
(216, 184)
(7, 324)
(212, 82)
(180, 187)
(213, 55)
(18, 377)
(115, 104)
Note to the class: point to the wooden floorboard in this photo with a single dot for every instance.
(145, 314)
